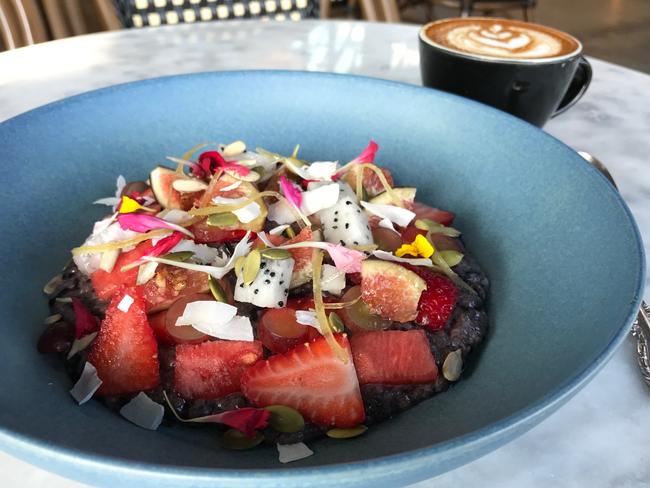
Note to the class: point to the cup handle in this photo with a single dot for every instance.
(577, 87)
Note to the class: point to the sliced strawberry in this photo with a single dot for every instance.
(311, 379)
(169, 283)
(108, 284)
(213, 369)
(424, 211)
(438, 301)
(393, 357)
(125, 352)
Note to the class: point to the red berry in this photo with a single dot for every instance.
(213, 369)
(311, 379)
(438, 301)
(125, 352)
(393, 357)
(108, 284)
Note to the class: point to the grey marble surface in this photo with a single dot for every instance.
(600, 438)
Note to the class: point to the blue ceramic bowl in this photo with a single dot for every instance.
(560, 246)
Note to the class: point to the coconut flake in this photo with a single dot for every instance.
(216, 319)
(84, 389)
(395, 214)
(114, 201)
(386, 256)
(143, 412)
(333, 279)
(104, 231)
(175, 216)
(322, 170)
(81, 344)
(125, 303)
(320, 198)
(308, 317)
(203, 253)
(146, 271)
(281, 213)
(232, 186)
(387, 224)
(245, 214)
(108, 260)
(275, 231)
(293, 452)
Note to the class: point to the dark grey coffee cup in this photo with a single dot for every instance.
(532, 89)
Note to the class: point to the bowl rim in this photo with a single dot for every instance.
(408, 463)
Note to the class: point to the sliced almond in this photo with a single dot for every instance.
(189, 186)
(234, 149)
(52, 285)
(52, 319)
(108, 259)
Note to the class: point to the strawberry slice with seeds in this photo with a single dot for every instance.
(311, 379)
(438, 301)
(213, 369)
(393, 357)
(125, 352)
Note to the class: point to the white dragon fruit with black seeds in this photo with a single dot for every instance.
(346, 223)
(270, 287)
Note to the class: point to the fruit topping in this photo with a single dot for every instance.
(438, 300)
(213, 369)
(393, 357)
(280, 331)
(345, 223)
(311, 379)
(357, 317)
(390, 290)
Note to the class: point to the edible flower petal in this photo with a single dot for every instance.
(84, 322)
(293, 452)
(84, 389)
(290, 192)
(144, 223)
(211, 161)
(128, 205)
(419, 247)
(143, 412)
(164, 245)
(368, 154)
(346, 260)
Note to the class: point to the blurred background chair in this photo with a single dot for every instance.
(491, 7)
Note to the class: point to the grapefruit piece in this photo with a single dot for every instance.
(390, 290)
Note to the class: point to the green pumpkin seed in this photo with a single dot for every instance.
(290, 233)
(179, 256)
(451, 257)
(224, 219)
(355, 431)
(285, 419)
(251, 266)
(217, 291)
(239, 266)
(235, 439)
(63, 299)
(52, 319)
(436, 228)
(52, 285)
(336, 323)
(275, 253)
(453, 365)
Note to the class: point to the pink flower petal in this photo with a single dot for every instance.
(85, 322)
(347, 260)
(368, 154)
(164, 245)
(145, 223)
(246, 420)
(290, 192)
(211, 161)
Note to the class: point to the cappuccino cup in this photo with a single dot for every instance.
(529, 70)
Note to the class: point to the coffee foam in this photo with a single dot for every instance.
(501, 38)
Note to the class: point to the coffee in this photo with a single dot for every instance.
(501, 39)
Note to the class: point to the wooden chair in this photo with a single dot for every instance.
(489, 7)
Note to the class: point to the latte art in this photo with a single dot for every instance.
(501, 38)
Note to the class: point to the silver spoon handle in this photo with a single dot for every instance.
(641, 329)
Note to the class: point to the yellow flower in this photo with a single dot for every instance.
(419, 247)
(128, 205)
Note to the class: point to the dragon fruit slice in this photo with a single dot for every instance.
(270, 287)
(345, 223)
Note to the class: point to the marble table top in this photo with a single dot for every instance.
(600, 437)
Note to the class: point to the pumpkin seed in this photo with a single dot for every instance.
(436, 228)
(290, 233)
(52, 319)
(234, 149)
(52, 285)
(217, 291)
(276, 254)
(355, 431)
(251, 266)
(189, 185)
(285, 419)
(222, 219)
(235, 439)
(453, 365)
(179, 256)
(63, 299)
(239, 265)
(336, 323)
(451, 257)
